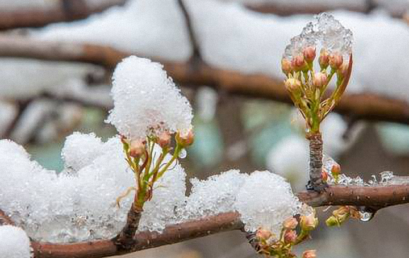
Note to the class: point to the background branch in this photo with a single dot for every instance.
(63, 11)
(361, 106)
(376, 197)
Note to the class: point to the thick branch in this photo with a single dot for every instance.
(375, 197)
(63, 11)
(360, 106)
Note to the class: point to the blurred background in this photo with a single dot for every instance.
(45, 96)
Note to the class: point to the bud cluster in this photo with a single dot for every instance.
(273, 246)
(307, 87)
(139, 153)
(341, 214)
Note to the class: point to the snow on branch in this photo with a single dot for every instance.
(358, 105)
(377, 197)
(62, 11)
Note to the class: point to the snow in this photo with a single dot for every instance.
(34, 76)
(289, 158)
(14, 242)
(216, 194)
(266, 200)
(147, 101)
(81, 149)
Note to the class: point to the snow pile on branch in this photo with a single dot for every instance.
(80, 204)
(146, 100)
(216, 194)
(14, 243)
(266, 200)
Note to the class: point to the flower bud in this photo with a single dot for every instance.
(332, 221)
(323, 60)
(298, 63)
(309, 222)
(290, 236)
(309, 254)
(164, 139)
(324, 176)
(292, 85)
(185, 139)
(290, 223)
(286, 66)
(309, 53)
(137, 148)
(336, 170)
(320, 80)
(343, 70)
(262, 233)
(335, 61)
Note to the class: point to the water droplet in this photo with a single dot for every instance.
(366, 214)
(182, 154)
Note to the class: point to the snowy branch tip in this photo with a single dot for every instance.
(146, 100)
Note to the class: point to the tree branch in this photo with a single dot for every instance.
(361, 106)
(196, 55)
(308, 8)
(63, 11)
(376, 197)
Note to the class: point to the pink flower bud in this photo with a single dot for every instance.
(164, 139)
(324, 176)
(309, 222)
(137, 148)
(343, 70)
(292, 84)
(309, 254)
(298, 63)
(335, 61)
(262, 233)
(185, 139)
(309, 53)
(320, 80)
(290, 236)
(290, 223)
(286, 66)
(323, 59)
(336, 170)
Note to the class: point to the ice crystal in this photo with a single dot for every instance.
(14, 243)
(324, 30)
(266, 200)
(146, 100)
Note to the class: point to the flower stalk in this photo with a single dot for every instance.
(307, 90)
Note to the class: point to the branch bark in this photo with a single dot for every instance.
(64, 11)
(308, 8)
(376, 197)
(361, 106)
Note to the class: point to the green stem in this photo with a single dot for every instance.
(178, 149)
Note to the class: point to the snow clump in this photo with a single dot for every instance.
(14, 243)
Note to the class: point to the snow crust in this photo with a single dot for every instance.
(14, 243)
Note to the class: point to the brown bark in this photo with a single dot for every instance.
(125, 239)
(308, 8)
(360, 106)
(376, 197)
(64, 11)
(316, 155)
